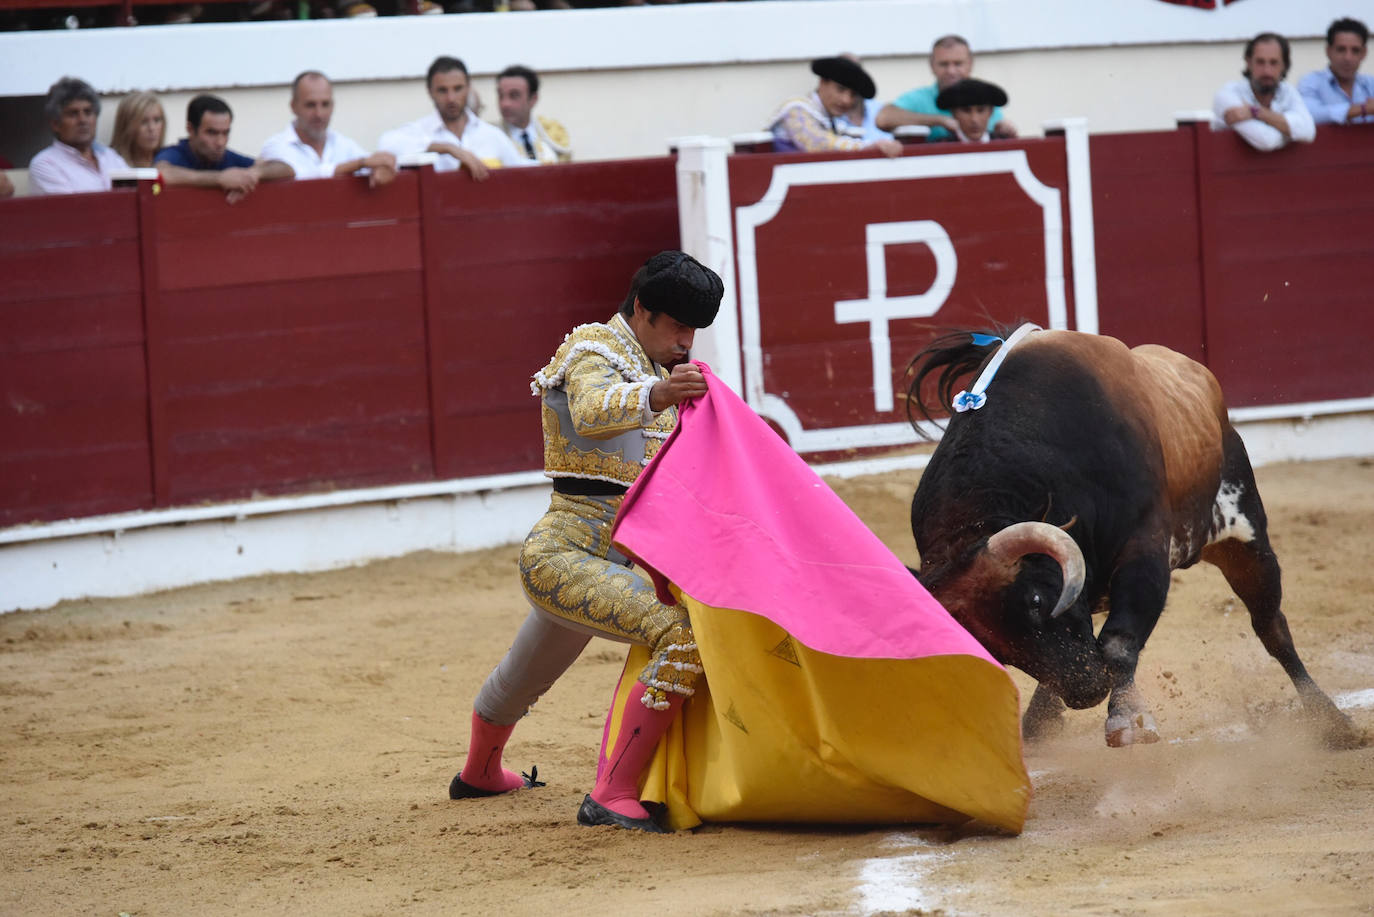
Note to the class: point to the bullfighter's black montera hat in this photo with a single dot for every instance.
(970, 92)
(683, 287)
(848, 74)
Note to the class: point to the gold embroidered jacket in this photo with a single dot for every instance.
(596, 415)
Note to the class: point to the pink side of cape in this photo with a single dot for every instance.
(732, 516)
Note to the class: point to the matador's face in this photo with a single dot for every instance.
(666, 340)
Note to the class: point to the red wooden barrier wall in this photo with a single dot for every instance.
(287, 340)
(1287, 253)
(158, 350)
(1258, 264)
(161, 349)
(74, 414)
(1146, 222)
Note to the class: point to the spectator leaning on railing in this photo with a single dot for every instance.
(1264, 110)
(1340, 94)
(453, 130)
(311, 149)
(203, 159)
(815, 123)
(863, 117)
(951, 60)
(971, 103)
(74, 162)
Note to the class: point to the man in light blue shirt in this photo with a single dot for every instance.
(1341, 94)
(950, 61)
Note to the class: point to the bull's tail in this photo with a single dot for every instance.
(940, 370)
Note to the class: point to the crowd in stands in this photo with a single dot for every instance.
(54, 16)
(839, 114)
(451, 137)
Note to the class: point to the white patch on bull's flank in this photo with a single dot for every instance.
(1227, 519)
(898, 883)
(1355, 700)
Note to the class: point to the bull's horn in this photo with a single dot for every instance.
(1016, 541)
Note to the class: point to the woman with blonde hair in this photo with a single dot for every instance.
(140, 129)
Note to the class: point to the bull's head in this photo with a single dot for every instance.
(1018, 595)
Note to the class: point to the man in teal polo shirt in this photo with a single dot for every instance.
(950, 61)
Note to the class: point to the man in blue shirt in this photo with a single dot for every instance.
(1341, 94)
(950, 61)
(203, 159)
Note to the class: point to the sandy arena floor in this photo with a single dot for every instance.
(283, 745)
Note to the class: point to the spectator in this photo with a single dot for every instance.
(971, 103)
(74, 162)
(140, 129)
(541, 139)
(6, 186)
(1341, 94)
(1265, 111)
(203, 159)
(862, 118)
(950, 61)
(462, 140)
(813, 123)
(311, 149)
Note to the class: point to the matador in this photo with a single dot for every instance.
(609, 399)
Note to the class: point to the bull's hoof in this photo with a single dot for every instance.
(1131, 729)
(1042, 728)
(1341, 734)
(1338, 730)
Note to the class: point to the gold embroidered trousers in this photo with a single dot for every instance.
(570, 569)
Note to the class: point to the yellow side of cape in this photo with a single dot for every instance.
(783, 733)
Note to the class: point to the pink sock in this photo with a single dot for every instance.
(483, 767)
(617, 784)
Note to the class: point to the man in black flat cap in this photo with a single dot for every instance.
(813, 123)
(609, 399)
(971, 103)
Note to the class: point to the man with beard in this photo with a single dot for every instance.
(453, 130)
(1265, 111)
(311, 149)
(1341, 94)
(74, 161)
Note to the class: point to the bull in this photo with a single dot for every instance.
(1070, 481)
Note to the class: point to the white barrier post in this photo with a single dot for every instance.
(703, 205)
(1082, 238)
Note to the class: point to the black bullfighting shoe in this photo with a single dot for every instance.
(594, 813)
(460, 789)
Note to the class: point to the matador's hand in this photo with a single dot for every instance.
(684, 383)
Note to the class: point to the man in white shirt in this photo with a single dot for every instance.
(74, 162)
(1265, 111)
(311, 149)
(539, 138)
(462, 140)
